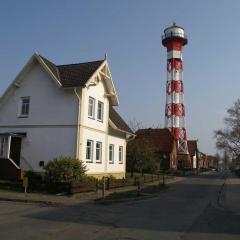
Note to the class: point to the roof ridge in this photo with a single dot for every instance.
(62, 65)
(44, 58)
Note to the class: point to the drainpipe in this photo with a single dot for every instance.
(78, 123)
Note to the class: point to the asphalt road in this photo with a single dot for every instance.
(186, 210)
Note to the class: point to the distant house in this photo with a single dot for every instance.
(163, 143)
(213, 161)
(54, 110)
(193, 151)
(203, 161)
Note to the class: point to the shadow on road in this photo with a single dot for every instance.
(188, 206)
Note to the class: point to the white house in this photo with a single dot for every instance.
(62, 110)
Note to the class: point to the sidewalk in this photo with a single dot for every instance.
(63, 200)
(230, 197)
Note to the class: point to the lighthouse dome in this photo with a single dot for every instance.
(174, 31)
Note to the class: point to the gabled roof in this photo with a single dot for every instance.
(73, 75)
(76, 75)
(118, 121)
(159, 138)
(192, 147)
(52, 67)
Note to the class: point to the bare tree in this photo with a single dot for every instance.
(135, 125)
(228, 139)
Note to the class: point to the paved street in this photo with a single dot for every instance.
(187, 210)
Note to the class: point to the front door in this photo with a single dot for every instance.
(15, 149)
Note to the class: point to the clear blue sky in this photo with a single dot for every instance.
(130, 31)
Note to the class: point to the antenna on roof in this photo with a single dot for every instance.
(105, 56)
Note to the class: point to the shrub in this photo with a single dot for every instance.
(64, 170)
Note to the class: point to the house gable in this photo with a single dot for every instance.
(84, 75)
(49, 104)
(96, 91)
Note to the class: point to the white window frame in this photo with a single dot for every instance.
(91, 113)
(101, 108)
(26, 106)
(90, 159)
(111, 153)
(99, 148)
(120, 154)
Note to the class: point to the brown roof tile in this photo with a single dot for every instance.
(73, 75)
(76, 75)
(118, 121)
(160, 138)
(51, 66)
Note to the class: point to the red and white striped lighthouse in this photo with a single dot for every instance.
(174, 39)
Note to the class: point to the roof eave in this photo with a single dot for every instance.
(48, 70)
(111, 123)
(16, 82)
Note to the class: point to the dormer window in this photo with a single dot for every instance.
(24, 107)
(91, 107)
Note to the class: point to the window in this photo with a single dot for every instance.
(41, 164)
(98, 152)
(111, 153)
(120, 154)
(3, 146)
(89, 151)
(24, 108)
(91, 107)
(100, 111)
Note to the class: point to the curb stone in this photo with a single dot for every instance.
(146, 196)
(41, 202)
(67, 203)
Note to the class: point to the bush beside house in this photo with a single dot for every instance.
(64, 170)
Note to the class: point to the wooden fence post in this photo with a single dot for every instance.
(108, 184)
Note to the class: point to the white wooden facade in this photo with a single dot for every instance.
(58, 121)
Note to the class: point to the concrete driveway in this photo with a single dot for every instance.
(187, 210)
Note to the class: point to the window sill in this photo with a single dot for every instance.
(99, 120)
(98, 162)
(23, 116)
(120, 162)
(89, 161)
(111, 162)
(91, 117)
